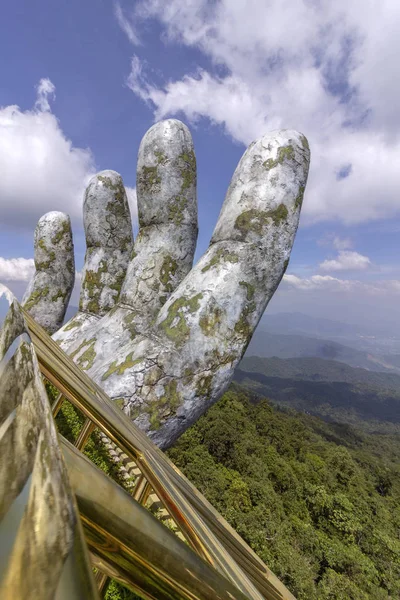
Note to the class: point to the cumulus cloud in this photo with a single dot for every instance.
(41, 168)
(346, 261)
(321, 67)
(16, 269)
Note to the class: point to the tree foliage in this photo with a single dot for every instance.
(319, 502)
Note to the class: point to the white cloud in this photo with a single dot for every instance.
(126, 25)
(44, 89)
(313, 67)
(41, 168)
(327, 283)
(342, 243)
(16, 269)
(346, 261)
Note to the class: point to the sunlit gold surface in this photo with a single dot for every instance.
(40, 531)
(131, 542)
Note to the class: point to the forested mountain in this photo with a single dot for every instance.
(319, 502)
(326, 388)
(319, 369)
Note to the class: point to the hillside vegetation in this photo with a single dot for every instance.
(318, 502)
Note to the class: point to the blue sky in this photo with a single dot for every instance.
(231, 71)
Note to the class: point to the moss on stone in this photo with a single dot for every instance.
(81, 346)
(87, 358)
(59, 294)
(254, 220)
(166, 406)
(118, 205)
(120, 402)
(35, 297)
(188, 172)
(46, 264)
(204, 386)
(42, 245)
(160, 157)
(211, 320)
(176, 209)
(61, 232)
(221, 255)
(93, 285)
(117, 284)
(120, 368)
(243, 326)
(284, 153)
(149, 179)
(304, 141)
(72, 325)
(299, 198)
(224, 358)
(129, 324)
(152, 376)
(167, 272)
(250, 289)
(175, 326)
(188, 374)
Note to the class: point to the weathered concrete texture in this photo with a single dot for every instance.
(109, 241)
(75, 328)
(168, 348)
(168, 377)
(50, 289)
(167, 208)
(164, 248)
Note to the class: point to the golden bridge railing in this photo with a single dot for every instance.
(126, 542)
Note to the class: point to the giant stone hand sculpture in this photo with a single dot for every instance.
(163, 338)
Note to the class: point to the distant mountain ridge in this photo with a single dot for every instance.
(267, 344)
(318, 369)
(331, 390)
(377, 338)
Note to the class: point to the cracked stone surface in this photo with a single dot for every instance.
(50, 289)
(168, 347)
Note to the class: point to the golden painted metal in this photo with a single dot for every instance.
(101, 581)
(204, 529)
(58, 402)
(84, 434)
(134, 547)
(42, 544)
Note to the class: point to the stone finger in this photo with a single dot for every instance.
(109, 247)
(164, 248)
(49, 291)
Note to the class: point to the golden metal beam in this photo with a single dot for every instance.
(42, 542)
(136, 547)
